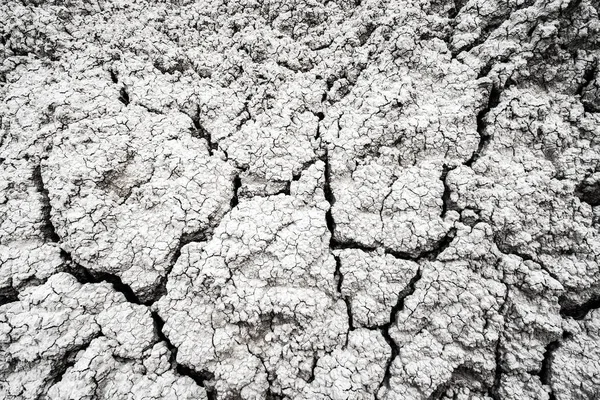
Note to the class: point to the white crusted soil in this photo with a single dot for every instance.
(331, 200)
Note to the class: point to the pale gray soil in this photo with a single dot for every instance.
(300, 199)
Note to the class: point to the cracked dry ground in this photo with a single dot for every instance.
(305, 199)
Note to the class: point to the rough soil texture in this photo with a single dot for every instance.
(300, 199)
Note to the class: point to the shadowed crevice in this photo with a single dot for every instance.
(201, 378)
(588, 76)
(385, 329)
(545, 373)
(48, 228)
(8, 295)
(446, 202)
(113, 76)
(498, 371)
(432, 254)
(339, 279)
(60, 369)
(200, 132)
(588, 193)
(338, 276)
(237, 184)
(484, 137)
(85, 275)
(579, 311)
(124, 96)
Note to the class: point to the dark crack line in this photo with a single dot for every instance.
(579, 311)
(505, 249)
(85, 275)
(200, 132)
(334, 244)
(8, 295)
(491, 26)
(587, 77)
(313, 367)
(446, 203)
(124, 96)
(460, 373)
(271, 377)
(295, 178)
(237, 184)
(439, 247)
(48, 228)
(58, 372)
(545, 373)
(202, 235)
(385, 329)
(484, 138)
(202, 378)
(113, 76)
(330, 199)
(320, 116)
(457, 6)
(588, 193)
(498, 371)
(338, 276)
(339, 279)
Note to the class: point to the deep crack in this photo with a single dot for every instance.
(124, 96)
(588, 75)
(545, 373)
(484, 138)
(59, 370)
(498, 371)
(113, 76)
(588, 193)
(85, 275)
(446, 203)
(47, 228)
(8, 295)
(237, 184)
(330, 199)
(432, 254)
(338, 276)
(200, 132)
(579, 311)
(201, 378)
(385, 329)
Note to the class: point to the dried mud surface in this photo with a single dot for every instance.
(305, 199)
